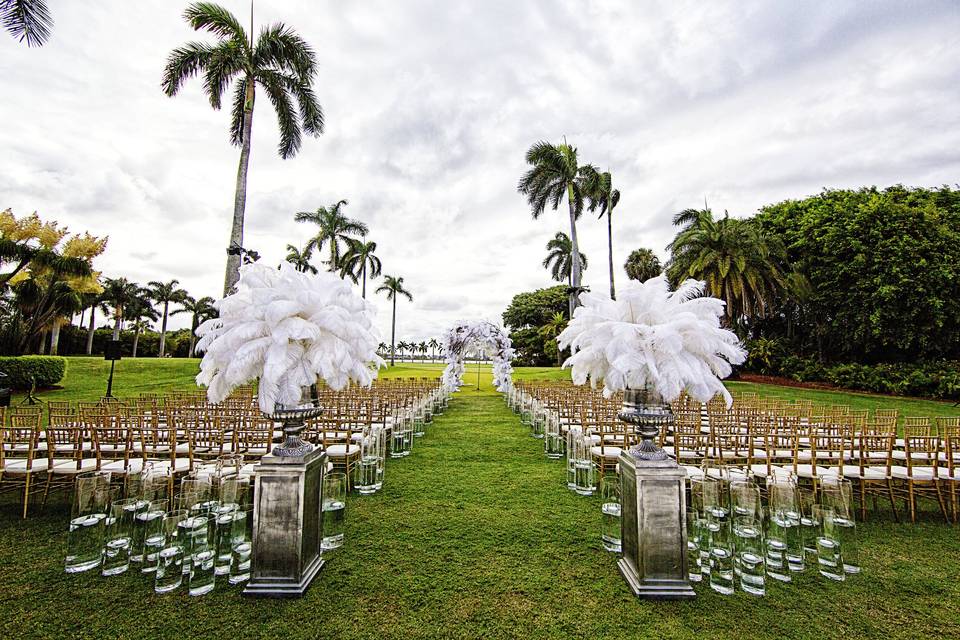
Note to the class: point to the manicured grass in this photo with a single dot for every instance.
(473, 536)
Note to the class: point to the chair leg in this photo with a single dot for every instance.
(893, 504)
(941, 502)
(912, 501)
(863, 500)
(46, 491)
(26, 495)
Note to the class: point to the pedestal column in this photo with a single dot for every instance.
(287, 524)
(653, 503)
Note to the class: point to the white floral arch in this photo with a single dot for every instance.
(462, 337)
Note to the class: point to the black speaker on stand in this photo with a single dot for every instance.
(111, 353)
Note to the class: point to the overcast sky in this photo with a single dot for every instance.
(430, 107)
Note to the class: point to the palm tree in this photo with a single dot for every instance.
(382, 348)
(200, 309)
(94, 301)
(603, 195)
(334, 228)
(28, 20)
(118, 292)
(393, 288)
(280, 62)
(300, 259)
(141, 313)
(360, 256)
(165, 293)
(401, 347)
(422, 347)
(738, 263)
(551, 330)
(554, 173)
(559, 260)
(433, 344)
(642, 264)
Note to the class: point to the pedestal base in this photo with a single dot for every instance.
(653, 528)
(287, 525)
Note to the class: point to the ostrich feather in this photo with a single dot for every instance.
(649, 335)
(287, 328)
(465, 335)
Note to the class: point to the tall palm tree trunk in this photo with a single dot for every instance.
(136, 340)
(569, 298)
(393, 332)
(240, 197)
(613, 292)
(90, 330)
(575, 254)
(116, 326)
(55, 336)
(364, 271)
(193, 335)
(163, 328)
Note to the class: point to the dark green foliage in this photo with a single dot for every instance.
(883, 270)
(938, 379)
(23, 371)
(525, 315)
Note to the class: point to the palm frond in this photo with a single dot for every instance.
(215, 19)
(28, 20)
(183, 63)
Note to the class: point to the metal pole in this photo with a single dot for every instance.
(110, 380)
(478, 371)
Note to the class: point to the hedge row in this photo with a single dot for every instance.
(940, 379)
(22, 371)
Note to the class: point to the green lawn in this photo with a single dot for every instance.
(473, 536)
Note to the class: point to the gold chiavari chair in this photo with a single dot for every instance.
(950, 460)
(23, 457)
(920, 473)
(873, 470)
(68, 452)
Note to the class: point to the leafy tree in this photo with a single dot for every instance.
(526, 313)
(881, 271)
(642, 264)
(51, 272)
(165, 293)
(334, 228)
(560, 260)
(739, 263)
(280, 62)
(28, 20)
(200, 309)
(603, 196)
(393, 287)
(358, 258)
(555, 174)
(300, 259)
(549, 333)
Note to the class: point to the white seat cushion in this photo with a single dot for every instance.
(179, 465)
(19, 465)
(606, 452)
(68, 467)
(342, 450)
(869, 473)
(919, 473)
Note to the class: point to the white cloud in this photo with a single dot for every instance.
(431, 105)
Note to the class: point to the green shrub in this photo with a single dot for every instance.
(46, 371)
(939, 379)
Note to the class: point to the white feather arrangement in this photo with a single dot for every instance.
(287, 328)
(649, 335)
(485, 335)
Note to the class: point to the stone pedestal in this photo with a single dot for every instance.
(287, 524)
(654, 531)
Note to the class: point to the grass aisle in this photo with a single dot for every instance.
(474, 536)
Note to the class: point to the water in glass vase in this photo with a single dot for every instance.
(610, 528)
(85, 542)
(333, 518)
(369, 465)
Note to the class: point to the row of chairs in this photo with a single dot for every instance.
(42, 451)
(883, 453)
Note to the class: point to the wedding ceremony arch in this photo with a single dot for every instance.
(486, 336)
